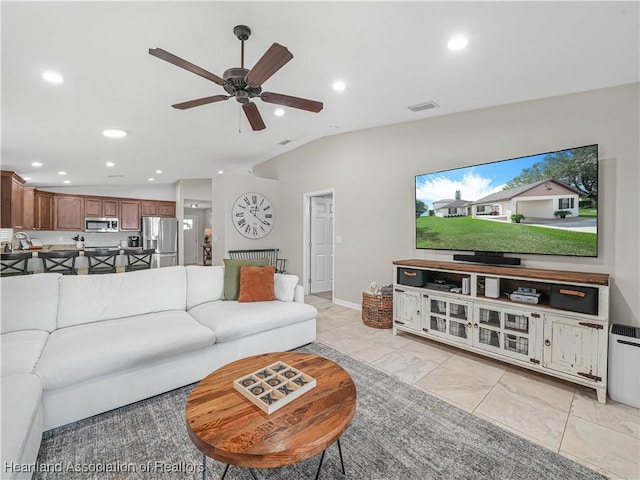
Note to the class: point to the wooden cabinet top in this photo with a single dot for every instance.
(14, 175)
(534, 273)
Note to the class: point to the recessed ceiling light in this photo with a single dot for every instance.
(114, 133)
(61, 172)
(67, 181)
(457, 42)
(158, 172)
(110, 164)
(26, 179)
(36, 164)
(220, 172)
(193, 205)
(278, 112)
(52, 77)
(339, 86)
(152, 179)
(334, 127)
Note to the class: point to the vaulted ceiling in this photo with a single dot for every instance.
(390, 55)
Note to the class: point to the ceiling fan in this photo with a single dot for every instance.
(244, 84)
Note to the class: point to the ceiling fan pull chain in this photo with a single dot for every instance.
(239, 120)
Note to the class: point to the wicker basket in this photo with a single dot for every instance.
(377, 310)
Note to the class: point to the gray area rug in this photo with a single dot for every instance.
(398, 433)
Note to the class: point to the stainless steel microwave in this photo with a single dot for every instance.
(100, 224)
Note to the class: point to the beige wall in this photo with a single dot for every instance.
(373, 172)
(226, 190)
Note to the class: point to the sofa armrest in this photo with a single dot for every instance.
(298, 296)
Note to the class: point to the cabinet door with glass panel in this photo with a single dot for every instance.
(447, 317)
(509, 331)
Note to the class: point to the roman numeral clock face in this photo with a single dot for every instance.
(253, 215)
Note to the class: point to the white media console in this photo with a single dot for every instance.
(563, 334)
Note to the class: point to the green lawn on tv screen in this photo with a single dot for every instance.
(469, 234)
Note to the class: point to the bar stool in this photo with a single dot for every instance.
(63, 262)
(12, 264)
(101, 261)
(139, 259)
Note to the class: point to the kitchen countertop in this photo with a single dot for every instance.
(67, 247)
(81, 266)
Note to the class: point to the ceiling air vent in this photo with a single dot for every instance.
(423, 106)
(284, 142)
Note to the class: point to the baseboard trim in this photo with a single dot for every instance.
(345, 303)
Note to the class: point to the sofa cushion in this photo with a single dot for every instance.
(204, 284)
(232, 320)
(256, 284)
(21, 395)
(232, 275)
(21, 350)
(285, 286)
(29, 302)
(93, 298)
(86, 351)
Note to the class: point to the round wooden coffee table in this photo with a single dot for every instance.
(226, 426)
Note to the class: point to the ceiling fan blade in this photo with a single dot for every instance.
(200, 101)
(253, 115)
(289, 101)
(179, 62)
(272, 61)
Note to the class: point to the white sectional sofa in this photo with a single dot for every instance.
(76, 346)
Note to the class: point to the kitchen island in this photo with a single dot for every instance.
(82, 265)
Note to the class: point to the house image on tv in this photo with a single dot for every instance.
(534, 200)
(449, 207)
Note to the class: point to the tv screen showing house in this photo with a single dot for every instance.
(541, 204)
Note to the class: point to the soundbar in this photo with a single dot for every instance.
(489, 259)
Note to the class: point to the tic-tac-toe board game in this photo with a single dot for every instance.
(274, 386)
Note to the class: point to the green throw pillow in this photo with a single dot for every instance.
(232, 275)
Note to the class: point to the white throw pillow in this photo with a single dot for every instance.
(285, 286)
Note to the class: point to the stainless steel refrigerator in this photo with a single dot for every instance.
(161, 234)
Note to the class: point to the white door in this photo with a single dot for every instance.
(321, 244)
(190, 231)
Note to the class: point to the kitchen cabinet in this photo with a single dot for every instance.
(130, 215)
(149, 208)
(12, 201)
(153, 208)
(552, 340)
(167, 209)
(110, 207)
(68, 212)
(43, 210)
(28, 208)
(101, 207)
(38, 209)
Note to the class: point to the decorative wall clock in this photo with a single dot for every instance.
(253, 215)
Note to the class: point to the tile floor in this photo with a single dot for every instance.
(555, 414)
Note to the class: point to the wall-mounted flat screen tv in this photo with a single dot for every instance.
(540, 204)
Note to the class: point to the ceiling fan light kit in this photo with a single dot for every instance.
(244, 84)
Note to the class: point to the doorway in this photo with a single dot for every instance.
(319, 243)
(196, 231)
(191, 236)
